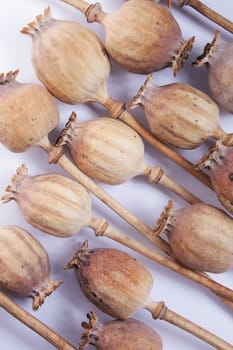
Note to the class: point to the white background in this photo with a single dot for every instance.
(66, 308)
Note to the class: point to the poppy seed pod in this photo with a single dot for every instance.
(119, 285)
(179, 114)
(27, 113)
(130, 334)
(52, 203)
(24, 265)
(114, 281)
(104, 149)
(141, 36)
(80, 66)
(219, 161)
(200, 235)
(217, 57)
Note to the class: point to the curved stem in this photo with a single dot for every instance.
(33, 323)
(157, 175)
(56, 155)
(160, 311)
(101, 228)
(208, 13)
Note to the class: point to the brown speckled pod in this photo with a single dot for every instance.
(220, 163)
(27, 113)
(105, 149)
(201, 236)
(119, 285)
(217, 57)
(52, 203)
(115, 282)
(24, 265)
(179, 114)
(79, 66)
(130, 334)
(142, 36)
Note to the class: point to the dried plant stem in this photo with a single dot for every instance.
(33, 323)
(92, 187)
(101, 228)
(160, 311)
(208, 13)
(80, 5)
(156, 175)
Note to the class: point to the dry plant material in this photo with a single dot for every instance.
(74, 49)
(30, 125)
(208, 13)
(217, 57)
(27, 113)
(219, 161)
(24, 265)
(179, 114)
(120, 291)
(130, 334)
(111, 152)
(60, 206)
(35, 324)
(69, 78)
(206, 243)
(142, 36)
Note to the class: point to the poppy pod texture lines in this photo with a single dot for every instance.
(27, 113)
(68, 59)
(178, 113)
(200, 235)
(52, 203)
(24, 265)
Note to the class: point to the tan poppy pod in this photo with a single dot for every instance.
(179, 114)
(24, 265)
(217, 57)
(27, 113)
(52, 203)
(118, 334)
(79, 66)
(104, 149)
(142, 36)
(200, 235)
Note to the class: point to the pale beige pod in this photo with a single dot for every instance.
(27, 113)
(219, 162)
(52, 203)
(104, 149)
(68, 59)
(179, 114)
(141, 36)
(24, 265)
(200, 236)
